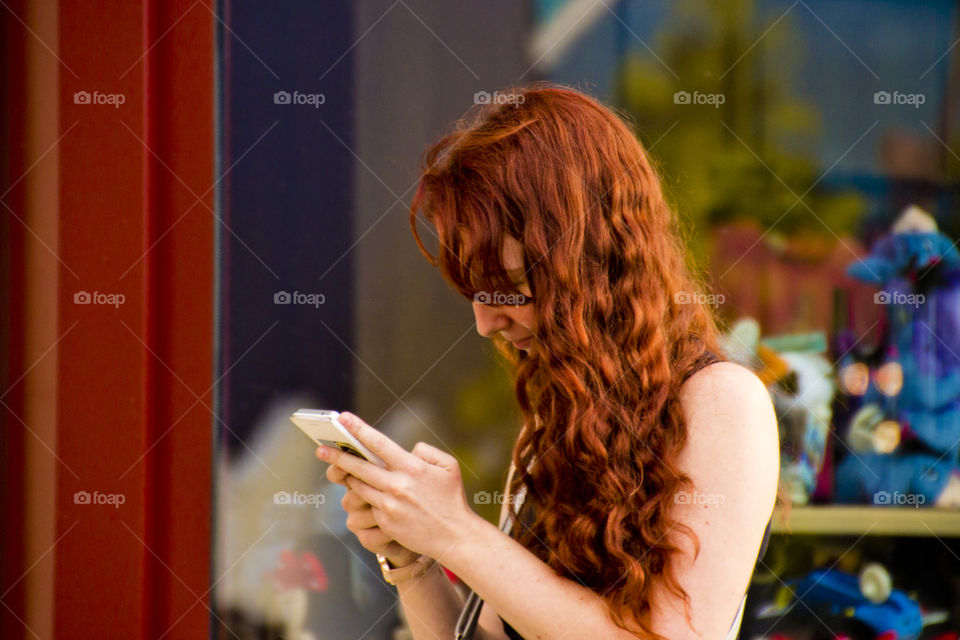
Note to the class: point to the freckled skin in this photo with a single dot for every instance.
(513, 322)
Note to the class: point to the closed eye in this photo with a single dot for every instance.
(497, 298)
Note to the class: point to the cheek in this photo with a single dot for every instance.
(523, 316)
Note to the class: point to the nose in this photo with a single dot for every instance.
(489, 319)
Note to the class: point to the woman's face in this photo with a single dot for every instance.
(496, 312)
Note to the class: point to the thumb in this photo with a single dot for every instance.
(431, 454)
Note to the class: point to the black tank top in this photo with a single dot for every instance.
(707, 358)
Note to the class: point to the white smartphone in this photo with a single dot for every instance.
(322, 427)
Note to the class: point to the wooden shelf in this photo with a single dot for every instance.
(866, 520)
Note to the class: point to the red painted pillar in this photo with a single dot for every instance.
(134, 299)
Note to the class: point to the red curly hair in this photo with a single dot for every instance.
(615, 334)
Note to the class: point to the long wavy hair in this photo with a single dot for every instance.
(619, 326)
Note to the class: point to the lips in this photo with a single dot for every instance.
(523, 344)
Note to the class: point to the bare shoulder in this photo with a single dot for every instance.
(716, 381)
(731, 424)
(732, 458)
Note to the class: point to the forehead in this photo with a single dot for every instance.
(511, 254)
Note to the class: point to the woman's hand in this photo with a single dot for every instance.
(360, 521)
(417, 500)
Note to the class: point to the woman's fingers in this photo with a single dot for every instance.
(373, 539)
(336, 475)
(361, 519)
(389, 451)
(364, 526)
(353, 502)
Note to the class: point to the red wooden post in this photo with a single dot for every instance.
(133, 386)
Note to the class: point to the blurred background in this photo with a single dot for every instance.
(205, 227)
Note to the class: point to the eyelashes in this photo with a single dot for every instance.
(498, 298)
(513, 296)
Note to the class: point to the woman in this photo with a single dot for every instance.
(649, 465)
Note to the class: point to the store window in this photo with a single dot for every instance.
(811, 146)
(325, 301)
(811, 151)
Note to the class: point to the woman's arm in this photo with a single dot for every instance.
(733, 458)
(733, 453)
(432, 606)
(423, 602)
(525, 591)
(732, 450)
(432, 603)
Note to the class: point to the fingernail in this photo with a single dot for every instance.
(321, 451)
